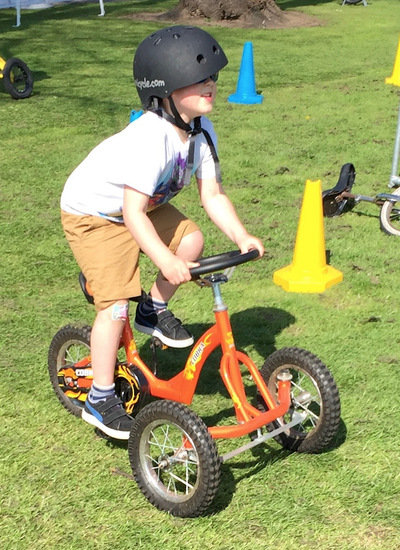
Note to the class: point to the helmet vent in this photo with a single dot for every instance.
(216, 50)
(176, 36)
(200, 59)
(156, 43)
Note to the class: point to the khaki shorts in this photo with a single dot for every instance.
(108, 255)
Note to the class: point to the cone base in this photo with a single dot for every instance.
(292, 280)
(245, 99)
(393, 80)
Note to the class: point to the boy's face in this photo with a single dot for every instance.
(195, 100)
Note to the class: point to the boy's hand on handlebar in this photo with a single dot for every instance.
(250, 243)
(176, 271)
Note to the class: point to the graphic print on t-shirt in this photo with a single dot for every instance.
(167, 190)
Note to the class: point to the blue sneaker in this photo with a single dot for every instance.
(164, 326)
(109, 417)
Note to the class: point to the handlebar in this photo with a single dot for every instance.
(223, 261)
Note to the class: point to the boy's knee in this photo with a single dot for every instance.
(192, 245)
(119, 311)
(193, 242)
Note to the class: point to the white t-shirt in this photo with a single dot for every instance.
(148, 156)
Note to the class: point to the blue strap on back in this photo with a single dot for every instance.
(135, 115)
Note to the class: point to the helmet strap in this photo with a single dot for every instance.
(197, 129)
(177, 120)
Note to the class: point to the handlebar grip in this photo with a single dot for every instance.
(223, 261)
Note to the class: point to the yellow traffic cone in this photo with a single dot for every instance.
(395, 78)
(308, 271)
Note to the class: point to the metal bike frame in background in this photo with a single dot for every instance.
(394, 178)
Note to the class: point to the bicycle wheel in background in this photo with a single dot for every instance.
(390, 215)
(18, 80)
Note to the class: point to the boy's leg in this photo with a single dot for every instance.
(108, 256)
(102, 408)
(105, 339)
(189, 249)
(185, 239)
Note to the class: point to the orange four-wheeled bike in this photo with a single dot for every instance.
(173, 454)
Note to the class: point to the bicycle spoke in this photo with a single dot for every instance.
(159, 445)
(185, 483)
(165, 431)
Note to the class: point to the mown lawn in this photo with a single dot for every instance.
(325, 104)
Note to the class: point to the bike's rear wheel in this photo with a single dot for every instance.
(174, 459)
(69, 364)
(313, 392)
(390, 215)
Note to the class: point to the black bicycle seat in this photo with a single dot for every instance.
(333, 207)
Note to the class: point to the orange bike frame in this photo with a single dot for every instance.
(182, 387)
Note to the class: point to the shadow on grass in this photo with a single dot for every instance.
(373, 214)
(250, 466)
(262, 457)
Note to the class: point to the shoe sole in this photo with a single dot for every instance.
(167, 341)
(115, 434)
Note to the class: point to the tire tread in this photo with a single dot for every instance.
(65, 334)
(315, 441)
(205, 448)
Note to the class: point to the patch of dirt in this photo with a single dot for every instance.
(285, 20)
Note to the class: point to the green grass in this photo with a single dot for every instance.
(325, 103)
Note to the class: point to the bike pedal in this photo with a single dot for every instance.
(156, 343)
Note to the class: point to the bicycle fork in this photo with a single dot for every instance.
(250, 419)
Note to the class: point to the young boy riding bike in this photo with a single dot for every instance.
(116, 204)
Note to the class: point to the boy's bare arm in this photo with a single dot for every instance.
(222, 212)
(174, 269)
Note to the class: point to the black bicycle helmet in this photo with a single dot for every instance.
(172, 58)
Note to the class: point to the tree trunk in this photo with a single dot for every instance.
(252, 11)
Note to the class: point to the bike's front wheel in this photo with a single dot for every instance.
(18, 80)
(390, 215)
(174, 459)
(313, 393)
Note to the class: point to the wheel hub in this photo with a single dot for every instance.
(164, 463)
(304, 398)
